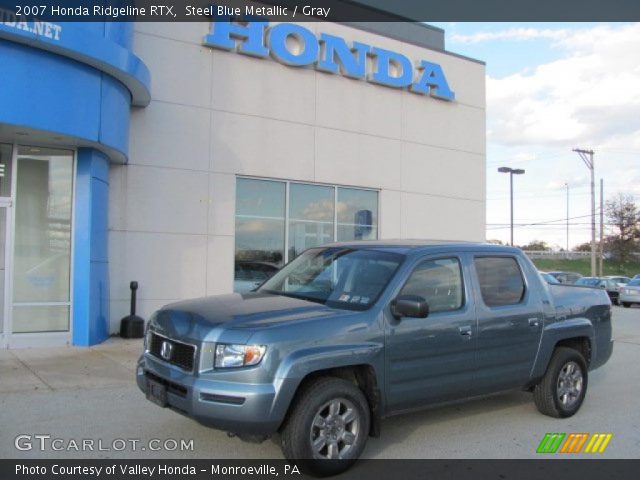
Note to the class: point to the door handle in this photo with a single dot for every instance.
(465, 332)
(534, 322)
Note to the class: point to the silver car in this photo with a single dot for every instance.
(619, 279)
(630, 293)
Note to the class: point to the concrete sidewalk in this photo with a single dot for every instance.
(110, 364)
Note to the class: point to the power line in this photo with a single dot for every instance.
(535, 159)
(542, 222)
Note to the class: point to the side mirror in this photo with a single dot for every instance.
(410, 306)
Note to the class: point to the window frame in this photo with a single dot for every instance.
(525, 291)
(419, 262)
(287, 200)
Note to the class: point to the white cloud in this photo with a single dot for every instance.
(588, 97)
(523, 157)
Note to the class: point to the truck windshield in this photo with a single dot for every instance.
(339, 277)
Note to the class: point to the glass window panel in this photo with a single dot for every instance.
(260, 198)
(348, 233)
(260, 225)
(357, 214)
(311, 217)
(42, 318)
(44, 195)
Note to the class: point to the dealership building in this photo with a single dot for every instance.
(197, 157)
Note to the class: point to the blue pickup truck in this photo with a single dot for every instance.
(348, 334)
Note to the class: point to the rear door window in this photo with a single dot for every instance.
(500, 279)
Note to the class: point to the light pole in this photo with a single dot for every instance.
(587, 158)
(511, 172)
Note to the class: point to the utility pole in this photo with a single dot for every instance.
(601, 226)
(567, 185)
(587, 158)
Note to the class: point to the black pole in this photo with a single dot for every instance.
(133, 286)
(132, 326)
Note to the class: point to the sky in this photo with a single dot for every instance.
(553, 87)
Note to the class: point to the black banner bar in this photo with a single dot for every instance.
(324, 10)
(542, 469)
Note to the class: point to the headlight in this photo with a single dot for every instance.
(147, 331)
(228, 356)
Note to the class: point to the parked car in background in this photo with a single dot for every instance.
(547, 277)
(566, 277)
(612, 287)
(630, 293)
(250, 275)
(589, 281)
(618, 279)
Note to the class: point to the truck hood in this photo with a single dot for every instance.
(196, 318)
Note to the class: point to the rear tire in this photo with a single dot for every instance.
(561, 391)
(327, 428)
(626, 304)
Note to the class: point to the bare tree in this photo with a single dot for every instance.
(624, 217)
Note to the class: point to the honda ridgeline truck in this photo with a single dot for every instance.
(348, 334)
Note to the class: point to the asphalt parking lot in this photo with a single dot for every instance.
(75, 394)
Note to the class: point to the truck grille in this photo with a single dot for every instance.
(177, 353)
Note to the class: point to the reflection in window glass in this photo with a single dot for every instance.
(260, 217)
(336, 276)
(500, 280)
(439, 282)
(357, 214)
(311, 209)
(262, 214)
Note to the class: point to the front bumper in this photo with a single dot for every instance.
(234, 407)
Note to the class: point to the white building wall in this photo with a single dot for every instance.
(216, 114)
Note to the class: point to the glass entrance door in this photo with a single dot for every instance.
(41, 283)
(5, 208)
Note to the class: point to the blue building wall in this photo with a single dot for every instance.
(79, 87)
(91, 260)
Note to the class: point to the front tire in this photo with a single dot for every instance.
(561, 391)
(328, 426)
(626, 304)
